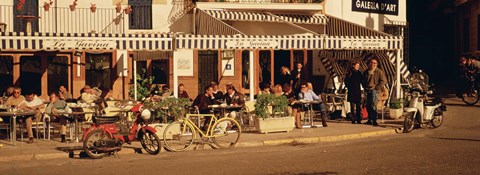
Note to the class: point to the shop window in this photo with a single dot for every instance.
(31, 74)
(160, 71)
(265, 67)
(98, 70)
(57, 72)
(141, 15)
(22, 10)
(246, 69)
(466, 35)
(6, 72)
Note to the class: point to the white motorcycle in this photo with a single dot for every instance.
(422, 109)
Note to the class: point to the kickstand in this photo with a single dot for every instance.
(115, 154)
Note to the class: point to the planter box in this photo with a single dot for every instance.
(275, 124)
(160, 127)
(395, 113)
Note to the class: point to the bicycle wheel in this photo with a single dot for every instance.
(178, 136)
(150, 142)
(471, 98)
(409, 122)
(92, 142)
(226, 133)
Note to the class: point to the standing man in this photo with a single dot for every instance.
(299, 77)
(373, 80)
(63, 94)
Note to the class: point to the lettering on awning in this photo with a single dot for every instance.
(364, 44)
(251, 44)
(79, 44)
(376, 6)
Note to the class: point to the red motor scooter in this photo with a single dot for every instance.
(106, 136)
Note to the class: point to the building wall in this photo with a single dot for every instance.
(468, 12)
(343, 9)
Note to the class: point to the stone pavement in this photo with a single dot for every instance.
(336, 131)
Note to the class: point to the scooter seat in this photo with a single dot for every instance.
(105, 119)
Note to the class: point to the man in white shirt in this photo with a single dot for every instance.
(32, 103)
(89, 95)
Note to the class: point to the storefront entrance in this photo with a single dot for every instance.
(207, 69)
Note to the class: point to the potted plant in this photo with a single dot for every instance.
(396, 108)
(93, 7)
(271, 114)
(118, 7)
(128, 9)
(46, 5)
(72, 7)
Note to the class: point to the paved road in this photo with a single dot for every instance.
(453, 148)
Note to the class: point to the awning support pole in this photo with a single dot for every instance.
(135, 80)
(175, 76)
(252, 75)
(397, 65)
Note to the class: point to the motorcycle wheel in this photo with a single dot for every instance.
(471, 98)
(437, 120)
(150, 142)
(409, 122)
(226, 133)
(88, 143)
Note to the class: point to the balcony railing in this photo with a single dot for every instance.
(264, 1)
(64, 20)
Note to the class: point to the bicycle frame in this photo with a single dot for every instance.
(188, 121)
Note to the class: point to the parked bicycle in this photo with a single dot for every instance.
(180, 135)
(471, 95)
(105, 136)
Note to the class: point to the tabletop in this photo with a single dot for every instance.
(11, 113)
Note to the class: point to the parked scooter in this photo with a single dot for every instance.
(105, 136)
(422, 109)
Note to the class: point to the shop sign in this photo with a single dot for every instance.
(80, 44)
(389, 7)
(365, 44)
(251, 44)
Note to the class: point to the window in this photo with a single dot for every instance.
(246, 69)
(97, 70)
(31, 74)
(478, 32)
(160, 71)
(6, 72)
(57, 72)
(21, 11)
(466, 35)
(141, 15)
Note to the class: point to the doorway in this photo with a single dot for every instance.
(31, 74)
(282, 58)
(207, 69)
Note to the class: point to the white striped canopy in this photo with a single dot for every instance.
(212, 42)
(363, 42)
(263, 17)
(81, 41)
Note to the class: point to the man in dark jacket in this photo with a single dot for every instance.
(234, 98)
(299, 77)
(373, 80)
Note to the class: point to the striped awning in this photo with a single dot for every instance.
(264, 17)
(84, 41)
(212, 42)
(340, 27)
(363, 42)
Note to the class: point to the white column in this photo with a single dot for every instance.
(175, 76)
(252, 75)
(397, 65)
(135, 79)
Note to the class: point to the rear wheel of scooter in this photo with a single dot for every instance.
(150, 142)
(471, 98)
(437, 119)
(409, 122)
(92, 139)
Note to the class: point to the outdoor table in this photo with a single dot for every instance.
(13, 116)
(223, 108)
(75, 116)
(310, 112)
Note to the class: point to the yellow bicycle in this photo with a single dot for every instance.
(180, 135)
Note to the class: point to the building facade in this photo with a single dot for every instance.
(102, 44)
(467, 32)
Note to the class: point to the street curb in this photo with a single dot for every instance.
(319, 139)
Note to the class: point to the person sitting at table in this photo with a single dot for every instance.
(31, 103)
(265, 88)
(278, 90)
(181, 92)
(89, 95)
(52, 110)
(216, 92)
(7, 93)
(63, 94)
(234, 98)
(291, 96)
(307, 94)
(201, 103)
(13, 101)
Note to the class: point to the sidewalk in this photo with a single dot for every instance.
(336, 131)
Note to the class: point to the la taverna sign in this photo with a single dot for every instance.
(365, 44)
(79, 44)
(251, 44)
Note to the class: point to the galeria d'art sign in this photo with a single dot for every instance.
(389, 7)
